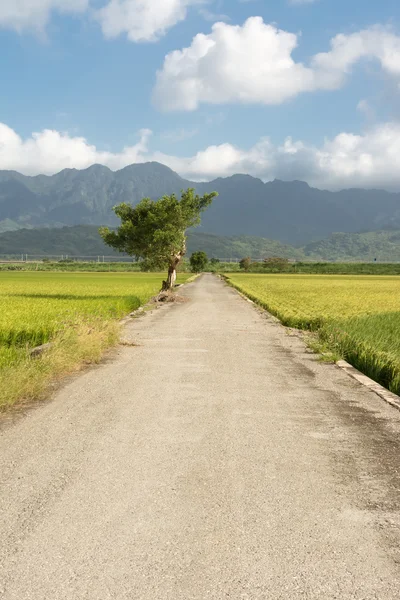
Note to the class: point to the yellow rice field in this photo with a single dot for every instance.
(357, 317)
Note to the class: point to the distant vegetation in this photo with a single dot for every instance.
(322, 268)
(83, 240)
(368, 246)
(357, 318)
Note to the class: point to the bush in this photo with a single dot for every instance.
(245, 263)
(198, 261)
(276, 263)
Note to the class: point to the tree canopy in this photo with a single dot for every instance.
(198, 261)
(155, 230)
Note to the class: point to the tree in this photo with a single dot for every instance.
(198, 261)
(276, 263)
(156, 230)
(245, 263)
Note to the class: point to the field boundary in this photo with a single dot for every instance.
(366, 381)
(388, 396)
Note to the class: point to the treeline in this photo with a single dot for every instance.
(282, 265)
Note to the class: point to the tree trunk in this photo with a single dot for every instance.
(170, 281)
(169, 284)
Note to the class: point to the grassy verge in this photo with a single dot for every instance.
(370, 343)
(23, 378)
(353, 319)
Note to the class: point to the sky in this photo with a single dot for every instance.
(287, 89)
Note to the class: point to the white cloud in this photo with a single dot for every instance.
(245, 64)
(377, 43)
(253, 63)
(348, 160)
(35, 14)
(50, 151)
(143, 20)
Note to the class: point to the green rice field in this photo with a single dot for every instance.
(356, 317)
(78, 311)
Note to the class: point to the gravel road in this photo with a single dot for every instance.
(215, 459)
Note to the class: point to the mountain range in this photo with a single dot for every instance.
(289, 212)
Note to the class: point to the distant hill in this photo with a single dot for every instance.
(84, 240)
(290, 212)
(368, 246)
(240, 246)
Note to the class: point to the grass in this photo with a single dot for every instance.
(72, 266)
(331, 268)
(79, 313)
(356, 318)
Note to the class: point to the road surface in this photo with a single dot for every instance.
(216, 459)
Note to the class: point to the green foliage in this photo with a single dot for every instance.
(156, 230)
(276, 264)
(245, 263)
(325, 268)
(198, 261)
(84, 240)
(381, 245)
(235, 247)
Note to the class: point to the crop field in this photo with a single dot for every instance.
(78, 311)
(356, 317)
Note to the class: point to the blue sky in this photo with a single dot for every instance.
(80, 76)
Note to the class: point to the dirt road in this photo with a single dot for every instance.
(216, 459)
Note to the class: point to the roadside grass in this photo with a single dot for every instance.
(24, 378)
(354, 318)
(78, 313)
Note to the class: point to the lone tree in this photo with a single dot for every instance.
(276, 263)
(156, 230)
(245, 263)
(198, 261)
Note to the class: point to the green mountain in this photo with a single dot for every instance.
(228, 247)
(84, 240)
(367, 246)
(289, 212)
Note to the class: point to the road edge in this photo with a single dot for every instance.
(385, 394)
(369, 383)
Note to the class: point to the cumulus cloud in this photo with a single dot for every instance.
(50, 151)
(35, 14)
(143, 20)
(348, 160)
(253, 63)
(367, 160)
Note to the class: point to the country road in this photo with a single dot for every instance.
(217, 459)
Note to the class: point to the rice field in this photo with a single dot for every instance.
(77, 311)
(356, 317)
